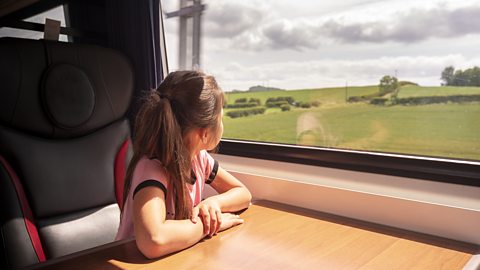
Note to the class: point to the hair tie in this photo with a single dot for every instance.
(162, 96)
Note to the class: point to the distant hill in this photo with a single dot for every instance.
(260, 88)
(257, 88)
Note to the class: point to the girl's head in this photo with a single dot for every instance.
(176, 121)
(196, 104)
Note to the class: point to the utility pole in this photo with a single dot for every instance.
(346, 91)
(189, 13)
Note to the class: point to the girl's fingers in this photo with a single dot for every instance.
(230, 220)
(237, 221)
(213, 222)
(219, 221)
(194, 217)
(206, 221)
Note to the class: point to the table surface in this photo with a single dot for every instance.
(276, 236)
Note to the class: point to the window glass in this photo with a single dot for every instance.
(54, 14)
(386, 76)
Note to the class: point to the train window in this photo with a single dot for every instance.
(56, 13)
(383, 80)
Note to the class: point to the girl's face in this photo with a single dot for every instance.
(201, 139)
(216, 133)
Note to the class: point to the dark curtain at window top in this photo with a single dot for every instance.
(130, 26)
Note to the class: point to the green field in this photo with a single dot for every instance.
(324, 95)
(441, 130)
(418, 91)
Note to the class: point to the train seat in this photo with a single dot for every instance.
(64, 147)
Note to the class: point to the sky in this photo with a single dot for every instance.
(314, 44)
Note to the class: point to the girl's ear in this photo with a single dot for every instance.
(203, 134)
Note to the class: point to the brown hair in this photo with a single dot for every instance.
(183, 101)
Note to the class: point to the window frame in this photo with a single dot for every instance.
(419, 167)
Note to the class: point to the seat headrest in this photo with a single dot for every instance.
(69, 95)
(62, 90)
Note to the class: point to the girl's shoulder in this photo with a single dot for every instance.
(204, 162)
(145, 161)
(149, 169)
(150, 164)
(203, 157)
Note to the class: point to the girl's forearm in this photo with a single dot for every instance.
(171, 236)
(235, 199)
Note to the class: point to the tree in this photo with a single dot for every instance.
(460, 78)
(388, 84)
(468, 77)
(448, 75)
(471, 76)
(475, 79)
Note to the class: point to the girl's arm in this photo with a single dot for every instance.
(156, 236)
(233, 196)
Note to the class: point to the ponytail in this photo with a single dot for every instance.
(158, 135)
(174, 155)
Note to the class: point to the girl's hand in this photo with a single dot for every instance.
(229, 220)
(211, 215)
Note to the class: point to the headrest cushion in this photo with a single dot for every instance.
(68, 95)
(60, 90)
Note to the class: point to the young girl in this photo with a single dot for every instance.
(163, 205)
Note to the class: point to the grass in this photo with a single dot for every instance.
(441, 130)
(419, 91)
(324, 95)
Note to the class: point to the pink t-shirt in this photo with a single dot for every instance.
(204, 167)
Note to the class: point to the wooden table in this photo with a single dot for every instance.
(276, 236)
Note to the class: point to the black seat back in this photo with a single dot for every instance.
(64, 147)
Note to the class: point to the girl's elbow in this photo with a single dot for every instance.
(149, 254)
(248, 196)
(152, 248)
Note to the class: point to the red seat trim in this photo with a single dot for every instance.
(27, 212)
(120, 171)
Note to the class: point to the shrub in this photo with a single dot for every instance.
(285, 107)
(245, 112)
(241, 105)
(365, 97)
(354, 99)
(305, 105)
(289, 100)
(378, 101)
(316, 103)
(273, 104)
(255, 100)
(437, 99)
(241, 100)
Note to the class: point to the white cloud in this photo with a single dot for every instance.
(408, 26)
(248, 31)
(285, 35)
(227, 19)
(335, 73)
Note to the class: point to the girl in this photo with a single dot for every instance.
(170, 165)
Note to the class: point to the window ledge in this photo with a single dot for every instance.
(442, 209)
